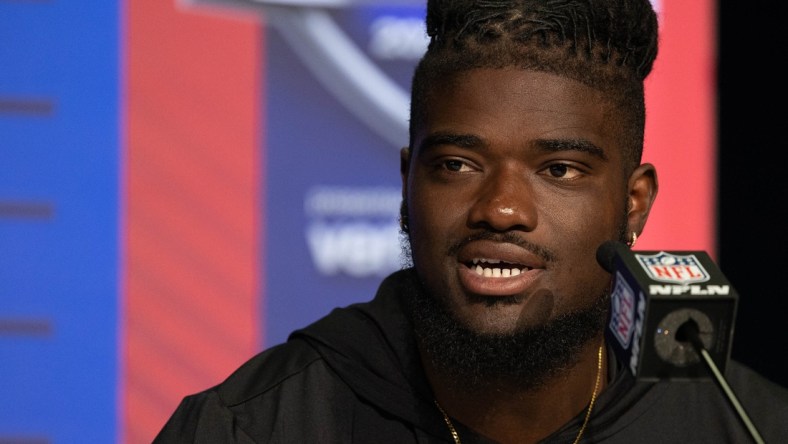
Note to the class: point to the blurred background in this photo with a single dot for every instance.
(183, 183)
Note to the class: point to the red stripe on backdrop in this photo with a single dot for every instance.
(192, 250)
(681, 129)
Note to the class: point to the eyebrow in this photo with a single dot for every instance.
(581, 145)
(547, 145)
(459, 140)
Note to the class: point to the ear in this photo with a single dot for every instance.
(643, 187)
(404, 166)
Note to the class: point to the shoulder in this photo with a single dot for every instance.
(765, 401)
(266, 371)
(250, 402)
(696, 410)
(200, 418)
(741, 375)
(755, 388)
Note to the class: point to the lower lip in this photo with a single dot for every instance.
(496, 286)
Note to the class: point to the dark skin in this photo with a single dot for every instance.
(532, 156)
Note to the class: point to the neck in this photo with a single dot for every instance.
(508, 414)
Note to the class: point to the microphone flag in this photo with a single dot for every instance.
(653, 294)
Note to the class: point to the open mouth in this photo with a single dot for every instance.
(496, 268)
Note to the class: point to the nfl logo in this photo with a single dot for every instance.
(623, 311)
(673, 268)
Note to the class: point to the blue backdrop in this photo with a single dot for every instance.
(58, 220)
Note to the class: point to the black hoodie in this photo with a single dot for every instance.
(355, 376)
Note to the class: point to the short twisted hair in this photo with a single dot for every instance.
(609, 45)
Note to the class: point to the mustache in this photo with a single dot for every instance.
(508, 237)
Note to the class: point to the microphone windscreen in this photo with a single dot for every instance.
(606, 253)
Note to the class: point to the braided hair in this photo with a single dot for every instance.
(609, 45)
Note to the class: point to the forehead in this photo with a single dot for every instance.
(514, 104)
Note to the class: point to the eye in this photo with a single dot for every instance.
(563, 171)
(456, 166)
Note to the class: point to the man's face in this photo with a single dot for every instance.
(514, 179)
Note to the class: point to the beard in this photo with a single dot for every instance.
(523, 360)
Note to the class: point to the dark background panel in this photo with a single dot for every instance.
(752, 190)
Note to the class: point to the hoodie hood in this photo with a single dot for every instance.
(372, 348)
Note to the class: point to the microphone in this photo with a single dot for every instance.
(671, 313)
(655, 294)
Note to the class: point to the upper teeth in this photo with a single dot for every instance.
(494, 271)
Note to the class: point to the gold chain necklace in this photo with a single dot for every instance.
(456, 436)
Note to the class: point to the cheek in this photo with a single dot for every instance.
(427, 225)
(431, 211)
(434, 226)
(588, 215)
(577, 232)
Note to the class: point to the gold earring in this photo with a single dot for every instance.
(633, 240)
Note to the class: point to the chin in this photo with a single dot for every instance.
(502, 340)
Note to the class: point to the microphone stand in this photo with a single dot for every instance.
(689, 332)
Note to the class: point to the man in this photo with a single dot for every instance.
(525, 150)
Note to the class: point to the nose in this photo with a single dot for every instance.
(505, 201)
